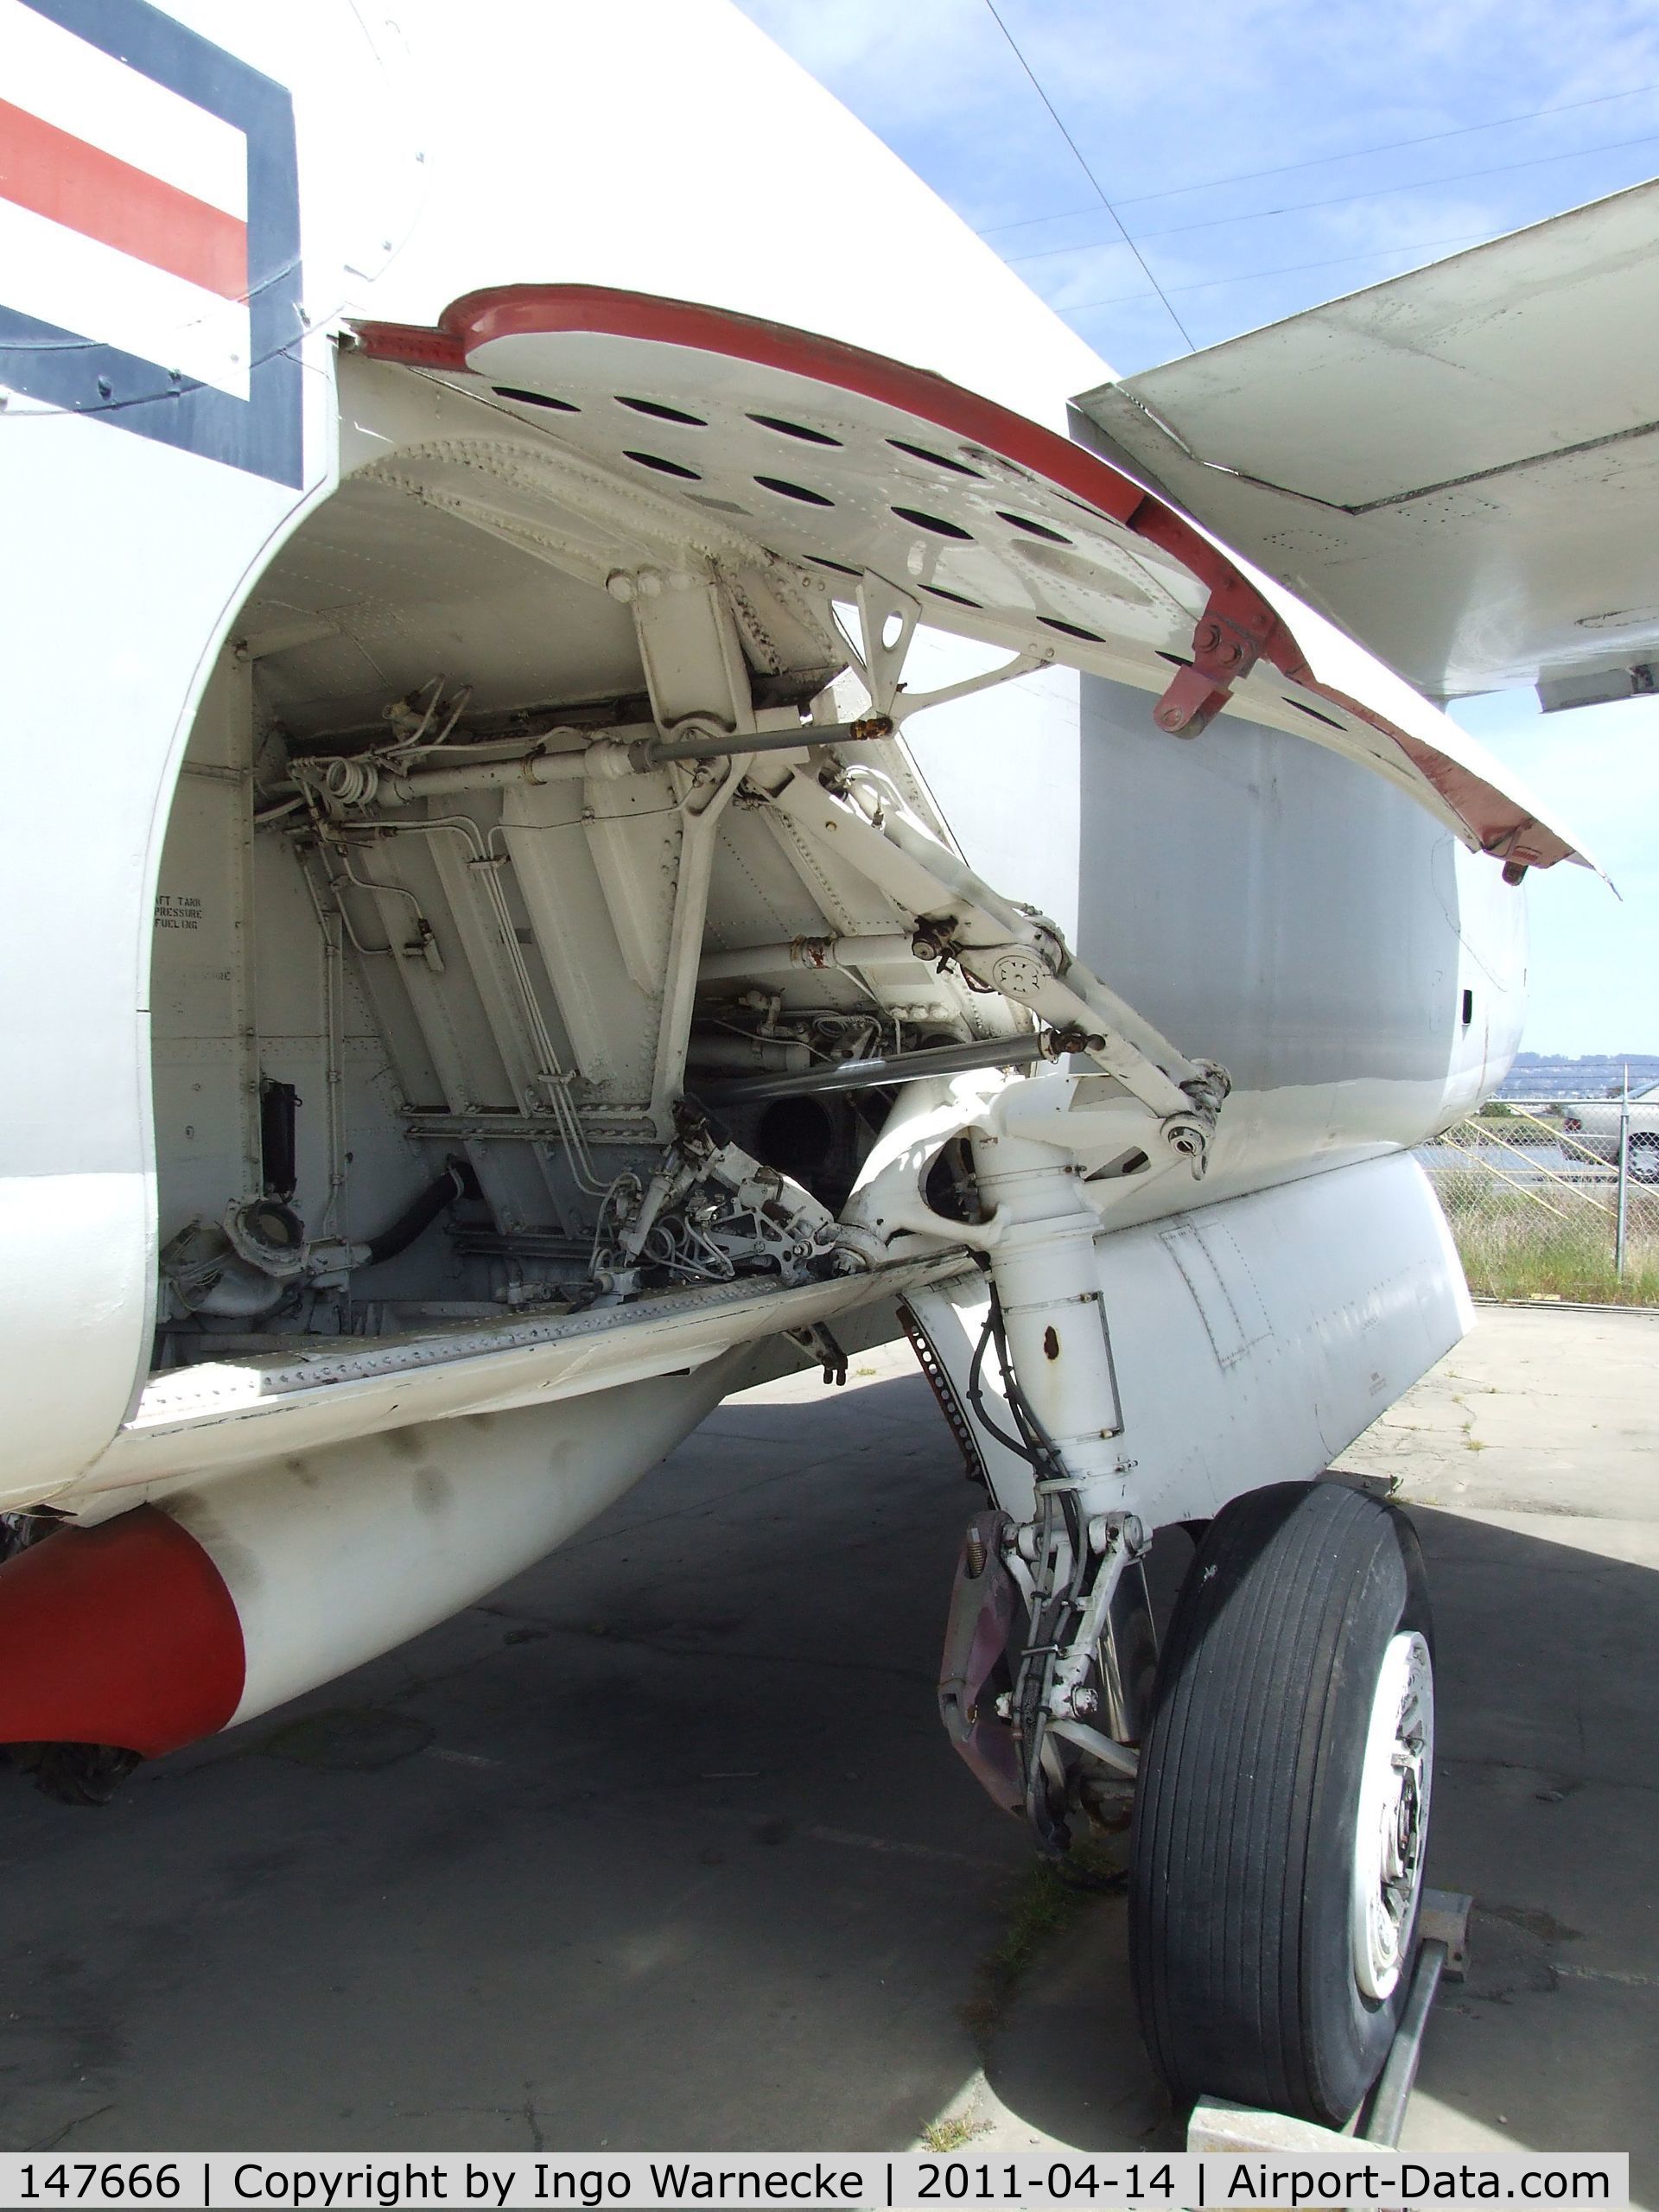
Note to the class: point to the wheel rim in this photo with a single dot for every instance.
(1391, 1823)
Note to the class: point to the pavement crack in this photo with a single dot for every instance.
(1528, 1766)
(70, 2125)
(1616, 1976)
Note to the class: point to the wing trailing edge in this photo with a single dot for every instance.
(1457, 466)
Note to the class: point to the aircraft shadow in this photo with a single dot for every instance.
(662, 1846)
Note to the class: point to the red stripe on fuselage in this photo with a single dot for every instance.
(62, 177)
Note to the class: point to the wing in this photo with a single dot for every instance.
(786, 447)
(1458, 465)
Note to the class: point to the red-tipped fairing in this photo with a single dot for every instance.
(122, 1634)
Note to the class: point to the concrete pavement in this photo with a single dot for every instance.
(662, 1848)
(1530, 1459)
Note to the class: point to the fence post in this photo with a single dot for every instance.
(1623, 1177)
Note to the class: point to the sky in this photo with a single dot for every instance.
(1265, 156)
(1593, 976)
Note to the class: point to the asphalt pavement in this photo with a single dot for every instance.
(662, 1846)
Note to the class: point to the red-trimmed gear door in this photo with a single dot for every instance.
(832, 457)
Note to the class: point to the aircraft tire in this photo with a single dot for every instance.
(1282, 1809)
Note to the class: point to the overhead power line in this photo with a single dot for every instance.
(1077, 151)
(1319, 161)
(1333, 199)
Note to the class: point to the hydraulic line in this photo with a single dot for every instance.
(358, 779)
(894, 1067)
(1052, 1612)
(455, 1182)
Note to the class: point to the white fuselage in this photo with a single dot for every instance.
(183, 619)
(424, 170)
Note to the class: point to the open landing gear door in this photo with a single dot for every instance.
(989, 525)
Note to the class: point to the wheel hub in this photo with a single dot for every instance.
(1391, 1824)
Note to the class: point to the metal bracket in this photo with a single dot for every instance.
(1117, 1758)
(820, 1341)
(1005, 671)
(1229, 638)
(881, 660)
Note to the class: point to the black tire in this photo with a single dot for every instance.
(1242, 1854)
(75, 1774)
(1644, 1158)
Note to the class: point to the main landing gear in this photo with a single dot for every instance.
(1280, 1791)
(1278, 1749)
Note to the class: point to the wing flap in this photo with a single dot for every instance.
(1456, 466)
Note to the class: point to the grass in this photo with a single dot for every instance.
(1512, 1246)
(950, 2133)
(1044, 1903)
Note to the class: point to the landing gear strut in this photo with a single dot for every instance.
(1279, 1748)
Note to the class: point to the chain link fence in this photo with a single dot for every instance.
(1554, 1198)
